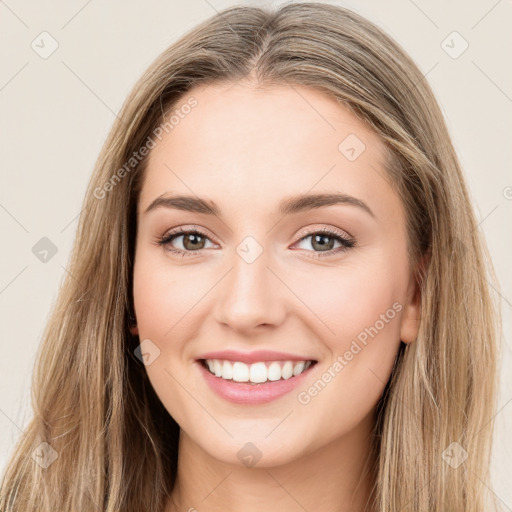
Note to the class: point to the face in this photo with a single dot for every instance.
(324, 280)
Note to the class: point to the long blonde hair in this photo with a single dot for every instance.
(108, 442)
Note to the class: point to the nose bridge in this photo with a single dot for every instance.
(250, 293)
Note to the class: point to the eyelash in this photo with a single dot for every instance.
(346, 243)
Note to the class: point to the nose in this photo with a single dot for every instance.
(251, 296)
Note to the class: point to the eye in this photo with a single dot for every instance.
(193, 240)
(324, 241)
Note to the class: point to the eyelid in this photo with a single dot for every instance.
(187, 229)
(328, 230)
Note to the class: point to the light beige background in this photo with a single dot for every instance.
(56, 113)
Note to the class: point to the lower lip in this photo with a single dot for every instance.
(250, 394)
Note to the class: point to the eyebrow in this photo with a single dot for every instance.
(288, 206)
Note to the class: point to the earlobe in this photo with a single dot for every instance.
(410, 321)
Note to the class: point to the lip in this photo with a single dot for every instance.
(242, 393)
(254, 357)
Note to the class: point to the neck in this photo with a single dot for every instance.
(336, 477)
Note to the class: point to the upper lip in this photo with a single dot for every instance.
(253, 357)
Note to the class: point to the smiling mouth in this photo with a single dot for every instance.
(256, 373)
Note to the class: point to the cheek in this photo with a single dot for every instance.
(161, 297)
(349, 300)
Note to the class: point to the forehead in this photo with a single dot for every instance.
(245, 145)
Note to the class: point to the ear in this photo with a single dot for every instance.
(410, 321)
(134, 330)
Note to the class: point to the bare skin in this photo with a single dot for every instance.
(247, 149)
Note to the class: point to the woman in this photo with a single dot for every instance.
(277, 297)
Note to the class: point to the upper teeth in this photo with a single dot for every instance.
(256, 372)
